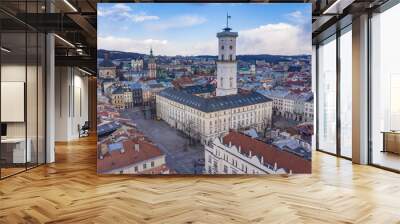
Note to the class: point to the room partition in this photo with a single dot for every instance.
(22, 77)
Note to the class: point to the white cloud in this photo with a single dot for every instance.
(182, 21)
(121, 12)
(161, 47)
(128, 44)
(297, 17)
(115, 9)
(279, 39)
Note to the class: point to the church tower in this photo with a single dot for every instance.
(226, 63)
(152, 73)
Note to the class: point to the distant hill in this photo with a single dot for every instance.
(120, 55)
(271, 58)
(248, 58)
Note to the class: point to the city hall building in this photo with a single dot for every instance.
(206, 112)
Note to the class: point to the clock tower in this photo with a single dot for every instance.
(226, 63)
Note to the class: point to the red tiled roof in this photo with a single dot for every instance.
(182, 81)
(116, 159)
(270, 153)
(163, 169)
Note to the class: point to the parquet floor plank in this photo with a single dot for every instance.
(70, 191)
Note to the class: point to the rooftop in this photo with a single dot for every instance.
(199, 89)
(270, 153)
(227, 33)
(115, 159)
(106, 64)
(156, 86)
(106, 128)
(118, 90)
(214, 103)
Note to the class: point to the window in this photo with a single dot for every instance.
(152, 163)
(225, 169)
(144, 165)
(327, 95)
(22, 61)
(222, 47)
(230, 47)
(136, 168)
(385, 86)
(346, 93)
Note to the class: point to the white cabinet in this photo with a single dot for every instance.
(19, 155)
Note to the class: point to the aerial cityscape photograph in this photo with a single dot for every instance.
(204, 88)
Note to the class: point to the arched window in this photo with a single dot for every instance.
(230, 57)
(230, 47)
(222, 47)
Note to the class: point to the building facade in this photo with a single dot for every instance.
(137, 96)
(152, 66)
(298, 107)
(131, 157)
(128, 99)
(206, 113)
(122, 98)
(208, 119)
(226, 63)
(137, 65)
(118, 98)
(236, 153)
(107, 69)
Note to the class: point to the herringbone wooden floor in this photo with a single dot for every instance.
(70, 191)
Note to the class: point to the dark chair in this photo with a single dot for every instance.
(84, 130)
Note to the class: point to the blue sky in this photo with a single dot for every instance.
(190, 29)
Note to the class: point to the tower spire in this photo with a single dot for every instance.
(227, 22)
(151, 51)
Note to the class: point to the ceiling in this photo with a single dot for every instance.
(75, 22)
(332, 15)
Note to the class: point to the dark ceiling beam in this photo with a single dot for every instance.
(91, 5)
(78, 61)
(83, 23)
(337, 7)
(15, 18)
(49, 22)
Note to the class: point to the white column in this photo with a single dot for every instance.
(360, 90)
(314, 89)
(50, 98)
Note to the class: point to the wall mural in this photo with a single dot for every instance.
(204, 88)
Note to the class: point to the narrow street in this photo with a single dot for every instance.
(179, 155)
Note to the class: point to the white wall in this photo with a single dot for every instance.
(71, 102)
(33, 126)
(12, 73)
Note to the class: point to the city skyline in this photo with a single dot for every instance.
(204, 115)
(189, 29)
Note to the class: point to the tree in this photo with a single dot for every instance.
(189, 129)
(265, 124)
